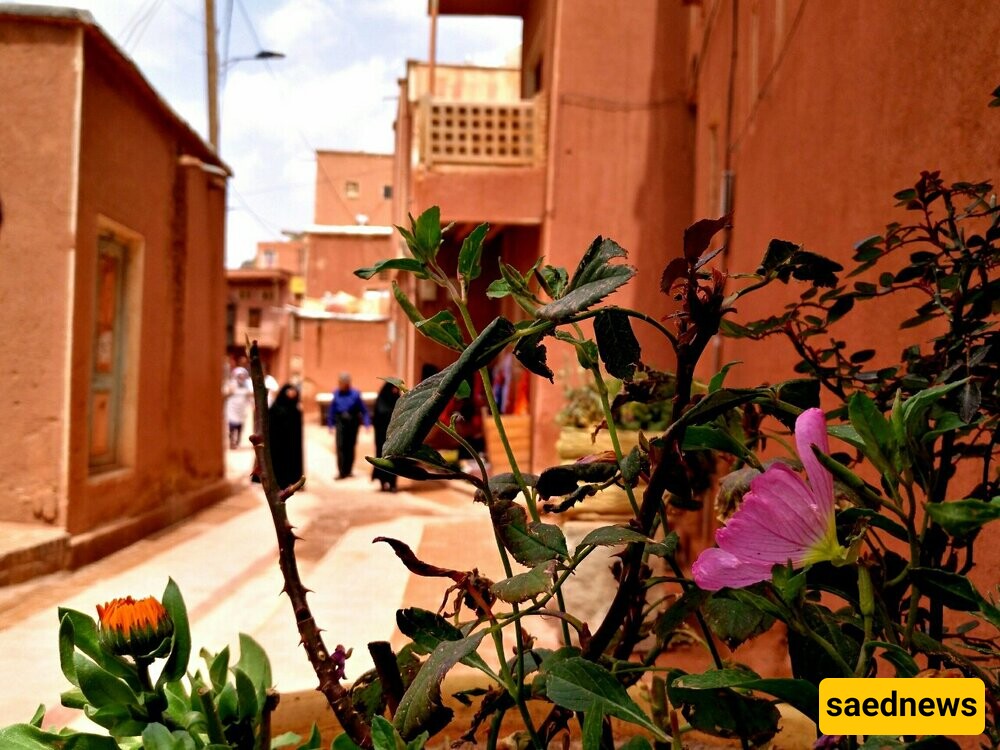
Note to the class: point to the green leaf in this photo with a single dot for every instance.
(698, 437)
(36, 720)
(962, 517)
(530, 544)
(719, 378)
(384, 736)
(718, 403)
(617, 344)
(532, 354)
(442, 328)
(595, 278)
(470, 256)
(427, 234)
(343, 742)
(723, 712)
(498, 289)
(593, 727)
(411, 265)
(875, 431)
(28, 737)
(418, 409)
(404, 302)
(612, 536)
(734, 621)
(100, 687)
(218, 667)
(428, 630)
(797, 693)
(180, 642)
(246, 695)
(951, 589)
(420, 709)
(915, 407)
(553, 280)
(581, 685)
(899, 657)
(86, 639)
(255, 665)
(66, 649)
(158, 737)
(525, 586)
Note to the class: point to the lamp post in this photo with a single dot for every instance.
(212, 65)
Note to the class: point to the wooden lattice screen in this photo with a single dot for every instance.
(482, 133)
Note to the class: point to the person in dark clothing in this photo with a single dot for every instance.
(285, 432)
(347, 413)
(382, 413)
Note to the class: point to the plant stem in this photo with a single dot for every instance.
(602, 390)
(327, 669)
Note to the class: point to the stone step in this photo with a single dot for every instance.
(29, 550)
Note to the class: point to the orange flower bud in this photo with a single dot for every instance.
(140, 629)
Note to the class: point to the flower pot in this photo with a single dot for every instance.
(612, 503)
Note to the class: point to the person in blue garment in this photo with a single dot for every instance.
(347, 413)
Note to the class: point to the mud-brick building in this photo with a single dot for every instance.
(112, 299)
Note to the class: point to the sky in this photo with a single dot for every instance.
(335, 89)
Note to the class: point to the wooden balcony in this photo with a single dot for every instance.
(483, 134)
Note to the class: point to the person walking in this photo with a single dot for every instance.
(285, 433)
(239, 396)
(381, 415)
(347, 413)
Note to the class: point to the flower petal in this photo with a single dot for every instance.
(810, 430)
(715, 569)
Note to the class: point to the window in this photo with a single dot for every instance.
(245, 294)
(267, 295)
(352, 189)
(269, 258)
(296, 328)
(387, 191)
(109, 356)
(253, 317)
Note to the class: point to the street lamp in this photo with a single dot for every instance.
(264, 54)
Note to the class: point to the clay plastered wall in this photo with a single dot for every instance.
(852, 114)
(334, 258)
(129, 174)
(197, 456)
(372, 172)
(331, 347)
(622, 157)
(38, 91)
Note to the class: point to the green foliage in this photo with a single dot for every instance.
(117, 693)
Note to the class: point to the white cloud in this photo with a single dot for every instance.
(335, 88)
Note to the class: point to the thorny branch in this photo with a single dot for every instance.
(329, 668)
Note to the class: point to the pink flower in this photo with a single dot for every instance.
(783, 519)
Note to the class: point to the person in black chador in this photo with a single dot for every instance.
(285, 432)
(382, 413)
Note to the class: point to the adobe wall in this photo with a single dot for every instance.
(334, 258)
(845, 120)
(37, 253)
(620, 159)
(331, 347)
(372, 173)
(172, 443)
(836, 124)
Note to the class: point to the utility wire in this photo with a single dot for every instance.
(142, 26)
(302, 137)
